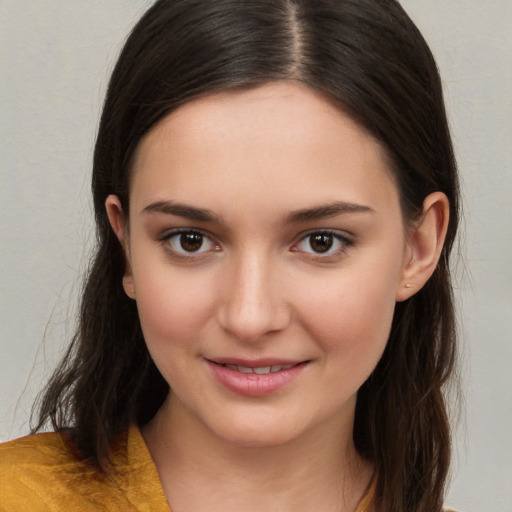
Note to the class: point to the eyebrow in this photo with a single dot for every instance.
(302, 215)
(326, 211)
(180, 210)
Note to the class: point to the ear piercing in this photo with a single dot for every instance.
(408, 285)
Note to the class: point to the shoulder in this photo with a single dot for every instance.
(46, 448)
(47, 453)
(35, 471)
(44, 472)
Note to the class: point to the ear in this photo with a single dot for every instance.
(119, 226)
(424, 245)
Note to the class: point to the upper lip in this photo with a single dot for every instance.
(255, 363)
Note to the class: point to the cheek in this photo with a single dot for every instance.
(350, 320)
(173, 308)
(353, 316)
(173, 313)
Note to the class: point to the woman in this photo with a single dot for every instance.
(276, 199)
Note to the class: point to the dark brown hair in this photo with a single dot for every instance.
(369, 59)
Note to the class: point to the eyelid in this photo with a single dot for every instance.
(345, 239)
(165, 238)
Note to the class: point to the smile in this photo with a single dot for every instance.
(255, 378)
(261, 370)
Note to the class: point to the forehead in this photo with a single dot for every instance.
(281, 135)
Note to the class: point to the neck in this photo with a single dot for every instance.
(200, 471)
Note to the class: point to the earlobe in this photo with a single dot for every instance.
(128, 285)
(424, 246)
(117, 221)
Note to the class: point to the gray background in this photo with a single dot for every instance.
(55, 60)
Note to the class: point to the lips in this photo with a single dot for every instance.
(255, 378)
(259, 370)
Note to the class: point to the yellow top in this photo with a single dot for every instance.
(43, 472)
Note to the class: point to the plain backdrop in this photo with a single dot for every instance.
(56, 56)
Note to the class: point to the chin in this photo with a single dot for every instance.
(257, 431)
(256, 438)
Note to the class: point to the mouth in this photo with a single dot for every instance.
(255, 378)
(259, 370)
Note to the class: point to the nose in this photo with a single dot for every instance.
(252, 301)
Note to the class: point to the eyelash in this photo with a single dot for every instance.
(335, 236)
(181, 253)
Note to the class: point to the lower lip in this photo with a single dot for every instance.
(252, 384)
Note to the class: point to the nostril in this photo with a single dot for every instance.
(252, 305)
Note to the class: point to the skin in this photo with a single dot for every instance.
(257, 288)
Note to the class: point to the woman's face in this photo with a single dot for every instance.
(266, 248)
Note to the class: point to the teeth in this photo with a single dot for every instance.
(263, 370)
(285, 367)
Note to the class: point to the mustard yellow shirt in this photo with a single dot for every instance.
(44, 473)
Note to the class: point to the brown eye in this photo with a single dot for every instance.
(321, 242)
(188, 242)
(191, 242)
